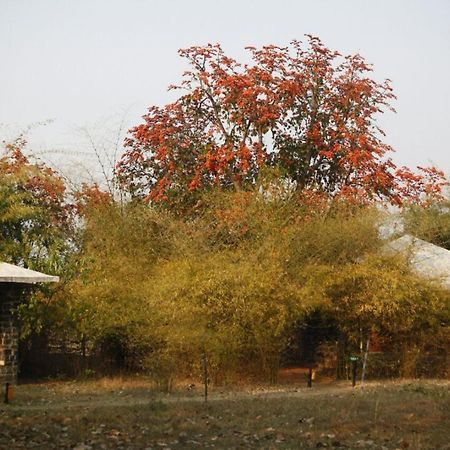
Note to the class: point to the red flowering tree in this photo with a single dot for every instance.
(304, 109)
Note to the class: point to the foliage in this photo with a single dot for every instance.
(119, 245)
(235, 280)
(375, 294)
(35, 219)
(303, 109)
(431, 223)
(37, 228)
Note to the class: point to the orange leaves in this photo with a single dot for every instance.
(423, 187)
(158, 193)
(244, 155)
(90, 196)
(36, 178)
(141, 132)
(302, 108)
(195, 182)
(210, 163)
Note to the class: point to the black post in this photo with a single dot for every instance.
(310, 372)
(205, 375)
(6, 399)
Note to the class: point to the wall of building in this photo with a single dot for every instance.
(9, 333)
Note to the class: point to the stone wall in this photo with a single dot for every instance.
(9, 334)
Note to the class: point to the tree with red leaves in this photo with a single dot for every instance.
(303, 109)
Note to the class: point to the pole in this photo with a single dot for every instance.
(363, 374)
(205, 375)
(6, 399)
(354, 363)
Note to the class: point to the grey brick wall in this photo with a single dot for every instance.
(9, 335)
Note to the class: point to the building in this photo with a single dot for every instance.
(425, 259)
(14, 281)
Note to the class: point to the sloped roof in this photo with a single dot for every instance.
(426, 259)
(9, 273)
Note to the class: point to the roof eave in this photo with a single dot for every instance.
(29, 280)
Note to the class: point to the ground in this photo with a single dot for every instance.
(129, 413)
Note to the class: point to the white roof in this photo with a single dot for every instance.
(9, 273)
(426, 259)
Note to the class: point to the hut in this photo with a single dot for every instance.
(14, 281)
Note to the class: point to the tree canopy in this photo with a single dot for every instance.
(303, 109)
(36, 221)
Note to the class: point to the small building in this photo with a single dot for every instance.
(14, 281)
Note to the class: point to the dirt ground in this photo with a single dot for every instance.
(129, 413)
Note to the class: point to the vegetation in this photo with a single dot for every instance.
(234, 282)
(249, 209)
(35, 221)
(431, 224)
(304, 110)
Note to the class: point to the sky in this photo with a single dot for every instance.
(79, 73)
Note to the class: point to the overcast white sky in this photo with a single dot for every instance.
(91, 63)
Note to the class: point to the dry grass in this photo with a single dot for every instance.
(125, 413)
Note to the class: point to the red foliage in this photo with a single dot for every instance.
(91, 196)
(304, 109)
